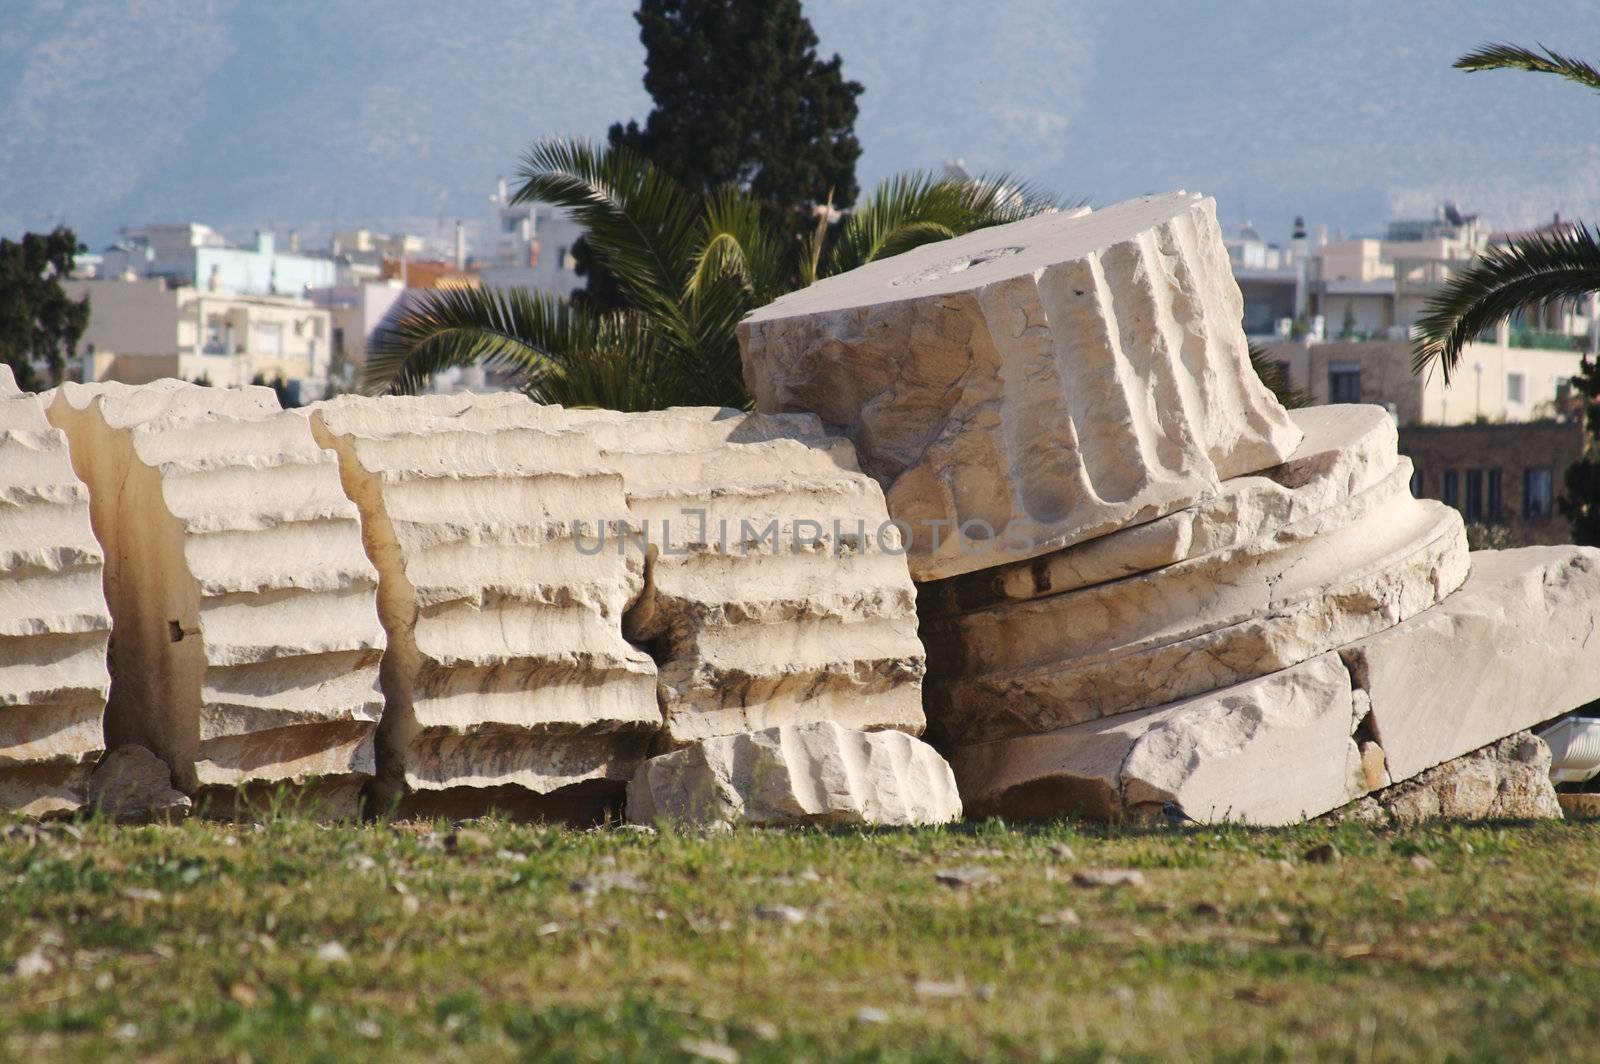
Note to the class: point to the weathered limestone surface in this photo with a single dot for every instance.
(816, 773)
(1506, 780)
(506, 664)
(1034, 385)
(1507, 651)
(771, 597)
(1346, 449)
(247, 641)
(53, 618)
(1514, 647)
(1274, 750)
(1279, 568)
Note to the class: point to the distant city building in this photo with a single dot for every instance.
(529, 246)
(1494, 381)
(366, 243)
(1340, 317)
(179, 300)
(142, 328)
(429, 273)
(1504, 475)
(1271, 279)
(193, 254)
(357, 311)
(1372, 289)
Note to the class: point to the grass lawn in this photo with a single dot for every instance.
(290, 940)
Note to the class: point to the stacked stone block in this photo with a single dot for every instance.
(247, 639)
(507, 671)
(1160, 587)
(54, 624)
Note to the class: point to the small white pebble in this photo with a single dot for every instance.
(785, 914)
(33, 964)
(713, 1051)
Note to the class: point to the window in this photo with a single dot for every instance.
(1493, 510)
(1474, 510)
(1344, 382)
(1416, 484)
(1538, 491)
(1516, 388)
(1451, 495)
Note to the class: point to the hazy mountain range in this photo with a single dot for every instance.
(398, 112)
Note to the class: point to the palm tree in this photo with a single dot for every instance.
(1535, 268)
(1275, 375)
(689, 267)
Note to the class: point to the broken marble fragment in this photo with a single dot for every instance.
(1506, 780)
(132, 785)
(816, 773)
(1347, 552)
(1274, 750)
(1513, 648)
(1346, 449)
(1030, 386)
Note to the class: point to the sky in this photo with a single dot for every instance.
(402, 113)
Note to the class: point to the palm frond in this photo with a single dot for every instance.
(640, 224)
(1532, 270)
(913, 234)
(623, 369)
(1272, 373)
(715, 350)
(996, 199)
(443, 328)
(1539, 60)
(912, 209)
(813, 243)
(560, 353)
(735, 242)
(897, 202)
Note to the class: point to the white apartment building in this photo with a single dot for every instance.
(1493, 382)
(141, 329)
(528, 246)
(356, 311)
(1340, 316)
(1271, 279)
(194, 254)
